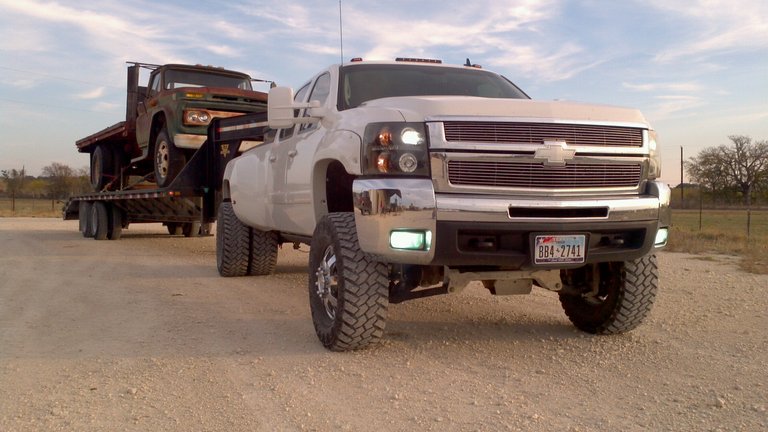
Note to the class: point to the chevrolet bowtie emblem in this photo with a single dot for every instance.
(554, 153)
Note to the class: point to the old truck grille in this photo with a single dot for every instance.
(536, 175)
(537, 133)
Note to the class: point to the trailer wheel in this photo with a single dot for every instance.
(348, 290)
(84, 216)
(169, 160)
(191, 229)
(115, 223)
(102, 167)
(263, 252)
(99, 220)
(232, 243)
(624, 295)
(174, 228)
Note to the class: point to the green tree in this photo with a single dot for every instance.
(741, 165)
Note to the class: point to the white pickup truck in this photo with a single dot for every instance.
(413, 178)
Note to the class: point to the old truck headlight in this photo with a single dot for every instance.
(654, 155)
(197, 117)
(395, 148)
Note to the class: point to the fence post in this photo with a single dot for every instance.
(749, 221)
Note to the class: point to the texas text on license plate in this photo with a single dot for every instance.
(559, 249)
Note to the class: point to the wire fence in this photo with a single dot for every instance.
(30, 207)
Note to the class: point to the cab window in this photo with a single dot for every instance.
(298, 97)
(320, 93)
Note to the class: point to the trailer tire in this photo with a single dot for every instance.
(115, 223)
(626, 292)
(169, 159)
(84, 216)
(348, 290)
(232, 243)
(102, 167)
(263, 252)
(174, 228)
(191, 229)
(99, 220)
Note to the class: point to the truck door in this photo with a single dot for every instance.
(144, 117)
(295, 210)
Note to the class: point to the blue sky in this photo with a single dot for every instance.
(697, 69)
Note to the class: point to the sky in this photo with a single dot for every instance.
(697, 69)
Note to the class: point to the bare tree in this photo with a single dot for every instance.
(14, 181)
(60, 179)
(742, 165)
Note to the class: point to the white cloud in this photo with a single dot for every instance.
(223, 50)
(92, 94)
(719, 26)
(674, 104)
(665, 87)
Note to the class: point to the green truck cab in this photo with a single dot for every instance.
(166, 121)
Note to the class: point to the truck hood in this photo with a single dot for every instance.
(422, 108)
(226, 92)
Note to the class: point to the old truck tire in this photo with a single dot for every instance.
(99, 220)
(102, 167)
(348, 290)
(232, 243)
(169, 160)
(115, 223)
(263, 252)
(626, 292)
(84, 216)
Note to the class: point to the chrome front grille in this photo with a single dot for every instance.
(505, 174)
(537, 133)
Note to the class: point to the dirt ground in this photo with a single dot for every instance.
(141, 334)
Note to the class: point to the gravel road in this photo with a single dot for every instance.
(141, 334)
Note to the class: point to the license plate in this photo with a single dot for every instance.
(559, 249)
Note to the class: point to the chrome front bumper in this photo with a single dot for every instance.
(386, 205)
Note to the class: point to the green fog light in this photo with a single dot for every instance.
(410, 240)
(661, 237)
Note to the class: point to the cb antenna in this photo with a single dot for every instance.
(341, 34)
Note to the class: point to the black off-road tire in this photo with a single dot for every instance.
(102, 167)
(99, 221)
(242, 250)
(263, 250)
(348, 290)
(84, 217)
(168, 159)
(625, 297)
(232, 243)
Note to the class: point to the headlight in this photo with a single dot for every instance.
(197, 117)
(654, 155)
(395, 148)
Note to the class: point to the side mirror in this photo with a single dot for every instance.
(280, 109)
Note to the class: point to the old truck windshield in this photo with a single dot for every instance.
(187, 78)
(361, 83)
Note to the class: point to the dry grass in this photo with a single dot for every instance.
(723, 232)
(26, 207)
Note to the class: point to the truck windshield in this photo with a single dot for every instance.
(186, 78)
(361, 83)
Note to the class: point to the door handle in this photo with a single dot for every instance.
(292, 153)
(272, 158)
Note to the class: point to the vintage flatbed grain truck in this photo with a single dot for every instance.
(166, 120)
(152, 167)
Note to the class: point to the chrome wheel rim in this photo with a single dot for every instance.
(327, 282)
(162, 158)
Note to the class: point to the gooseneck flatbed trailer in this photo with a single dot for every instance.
(186, 206)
